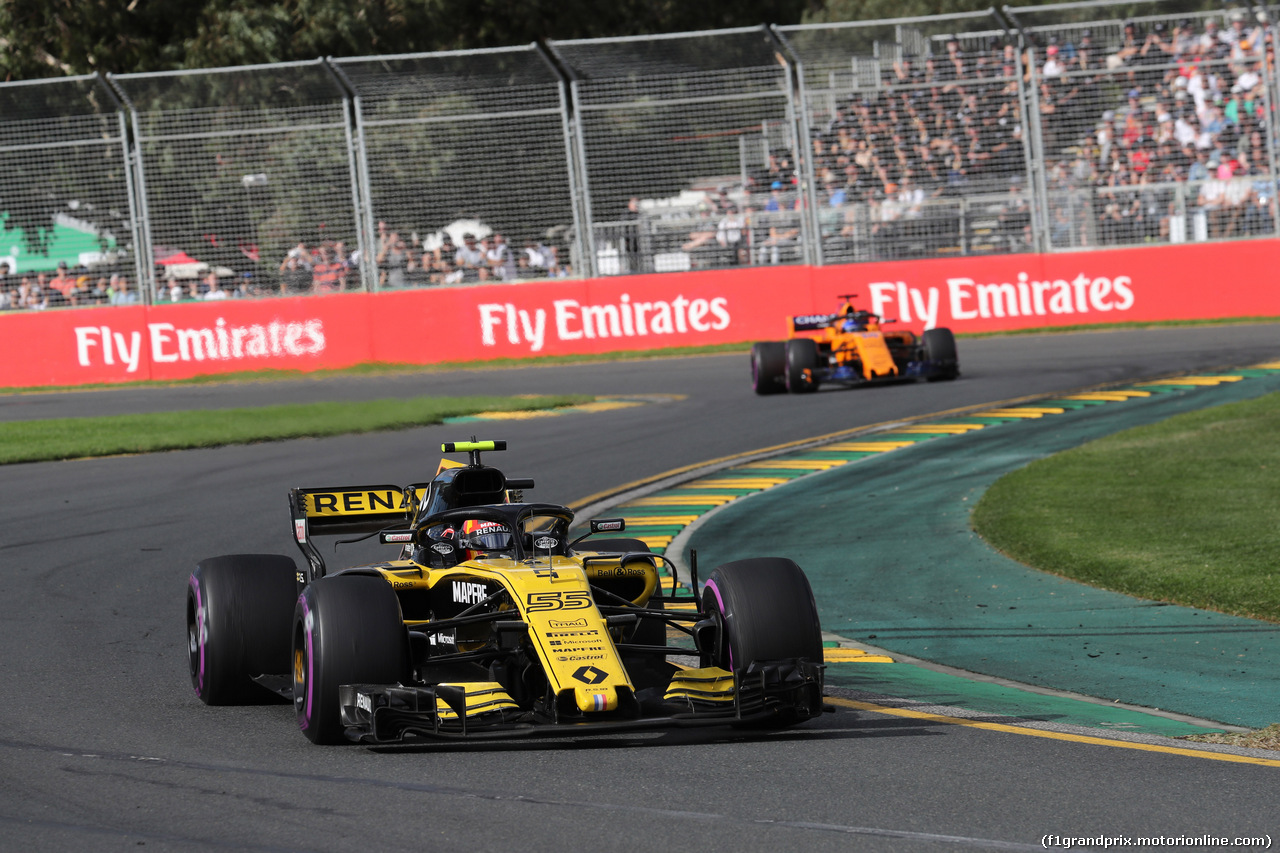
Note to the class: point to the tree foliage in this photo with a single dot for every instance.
(45, 38)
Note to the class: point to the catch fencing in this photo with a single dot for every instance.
(1064, 127)
(677, 138)
(65, 183)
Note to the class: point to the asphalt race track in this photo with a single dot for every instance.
(105, 747)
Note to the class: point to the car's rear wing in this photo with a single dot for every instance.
(349, 510)
(809, 322)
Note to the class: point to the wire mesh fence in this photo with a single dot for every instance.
(1050, 128)
(237, 166)
(679, 140)
(916, 137)
(64, 193)
(1154, 128)
(465, 163)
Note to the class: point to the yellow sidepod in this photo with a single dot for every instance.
(635, 581)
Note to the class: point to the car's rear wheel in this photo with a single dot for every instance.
(939, 347)
(347, 629)
(802, 365)
(238, 609)
(768, 364)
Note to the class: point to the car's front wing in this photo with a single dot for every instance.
(789, 691)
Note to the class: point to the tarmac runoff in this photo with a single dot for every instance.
(916, 606)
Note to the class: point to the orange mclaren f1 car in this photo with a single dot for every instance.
(849, 348)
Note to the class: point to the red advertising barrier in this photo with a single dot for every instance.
(559, 317)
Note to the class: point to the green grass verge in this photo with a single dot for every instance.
(70, 438)
(1182, 511)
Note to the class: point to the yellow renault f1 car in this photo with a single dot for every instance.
(493, 621)
(849, 348)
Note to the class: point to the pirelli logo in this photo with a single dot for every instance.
(358, 502)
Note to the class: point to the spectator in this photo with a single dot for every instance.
(776, 201)
(502, 261)
(214, 291)
(172, 287)
(325, 272)
(342, 262)
(1211, 40)
(120, 292)
(1053, 66)
(101, 292)
(729, 234)
(703, 232)
(62, 282)
(302, 254)
(393, 260)
(294, 277)
(780, 238)
(538, 258)
(31, 294)
(470, 261)
(1015, 218)
(80, 291)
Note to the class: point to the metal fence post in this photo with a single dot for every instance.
(1038, 161)
(355, 159)
(146, 259)
(580, 157)
(141, 268)
(359, 183)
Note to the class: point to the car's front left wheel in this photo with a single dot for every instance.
(347, 629)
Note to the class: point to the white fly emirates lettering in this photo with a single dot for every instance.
(971, 300)
(221, 342)
(624, 319)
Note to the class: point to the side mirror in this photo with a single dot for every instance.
(601, 525)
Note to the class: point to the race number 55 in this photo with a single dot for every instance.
(557, 600)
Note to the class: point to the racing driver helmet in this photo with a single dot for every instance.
(481, 538)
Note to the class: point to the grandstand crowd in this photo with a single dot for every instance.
(1124, 121)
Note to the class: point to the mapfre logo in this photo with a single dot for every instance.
(465, 592)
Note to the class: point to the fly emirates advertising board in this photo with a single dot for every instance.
(566, 316)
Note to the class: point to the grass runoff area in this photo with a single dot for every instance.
(1181, 511)
(70, 438)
